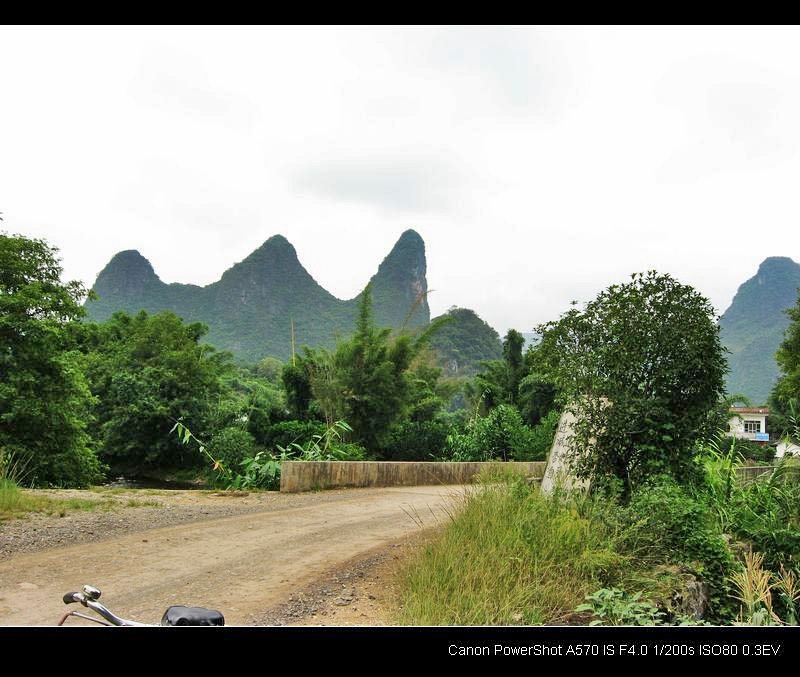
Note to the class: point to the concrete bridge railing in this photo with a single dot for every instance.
(310, 475)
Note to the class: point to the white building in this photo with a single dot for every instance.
(749, 423)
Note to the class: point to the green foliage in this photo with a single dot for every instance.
(251, 309)
(514, 380)
(285, 433)
(536, 399)
(664, 523)
(542, 435)
(613, 606)
(641, 367)
(45, 403)
(372, 376)
(297, 384)
(232, 446)
(464, 342)
(269, 368)
(500, 435)
(787, 388)
(329, 446)
(146, 372)
(760, 453)
(512, 357)
(753, 326)
(262, 471)
(416, 441)
(509, 556)
(765, 512)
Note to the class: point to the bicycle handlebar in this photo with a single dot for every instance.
(99, 609)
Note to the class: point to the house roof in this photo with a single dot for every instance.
(749, 410)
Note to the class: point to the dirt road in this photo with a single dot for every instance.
(241, 565)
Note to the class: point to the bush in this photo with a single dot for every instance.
(761, 453)
(262, 471)
(766, 512)
(416, 441)
(231, 446)
(283, 434)
(542, 435)
(663, 523)
(500, 435)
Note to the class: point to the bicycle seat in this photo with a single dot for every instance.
(191, 615)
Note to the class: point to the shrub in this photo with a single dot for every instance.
(231, 446)
(761, 453)
(663, 523)
(416, 441)
(285, 433)
(500, 435)
(262, 471)
(542, 435)
(766, 512)
(613, 606)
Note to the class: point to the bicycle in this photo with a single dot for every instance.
(173, 616)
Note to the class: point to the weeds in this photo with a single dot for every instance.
(509, 556)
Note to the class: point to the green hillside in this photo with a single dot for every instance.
(249, 310)
(752, 328)
(464, 342)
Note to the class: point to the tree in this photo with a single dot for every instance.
(45, 403)
(512, 356)
(148, 371)
(372, 370)
(498, 382)
(786, 391)
(641, 367)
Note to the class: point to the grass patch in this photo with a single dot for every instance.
(16, 502)
(510, 556)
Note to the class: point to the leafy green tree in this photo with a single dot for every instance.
(297, 384)
(269, 368)
(536, 398)
(249, 401)
(787, 389)
(500, 435)
(147, 371)
(499, 382)
(372, 370)
(512, 356)
(44, 400)
(641, 367)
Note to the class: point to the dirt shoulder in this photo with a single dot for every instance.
(260, 558)
(361, 591)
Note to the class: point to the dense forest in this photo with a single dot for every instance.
(146, 393)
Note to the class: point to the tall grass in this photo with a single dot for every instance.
(509, 556)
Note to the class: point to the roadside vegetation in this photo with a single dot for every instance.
(667, 532)
(16, 502)
(82, 401)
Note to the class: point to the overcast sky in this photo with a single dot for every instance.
(539, 165)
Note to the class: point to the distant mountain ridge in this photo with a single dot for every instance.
(249, 310)
(752, 327)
